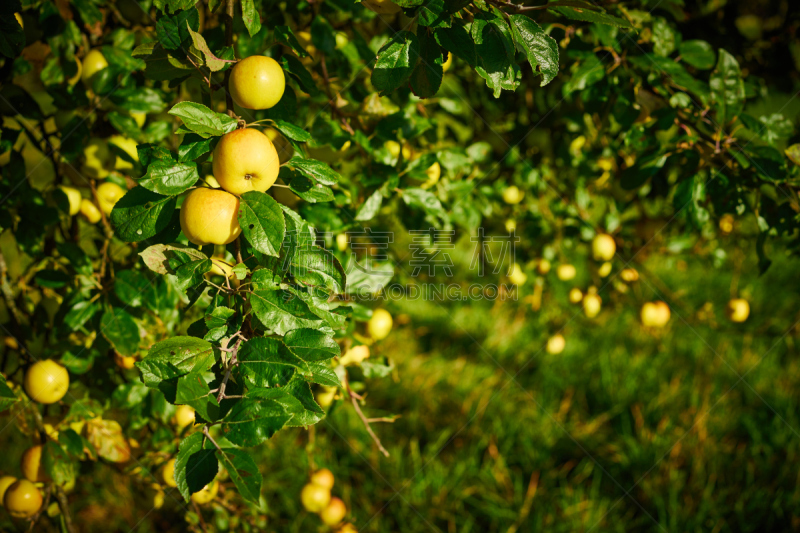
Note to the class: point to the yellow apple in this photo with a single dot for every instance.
(629, 275)
(168, 473)
(18, 16)
(394, 149)
(447, 64)
(98, 159)
(513, 195)
(738, 310)
(90, 211)
(315, 498)
(655, 314)
(381, 7)
(46, 381)
(31, 465)
(282, 145)
(603, 247)
(209, 216)
(517, 276)
(341, 242)
(566, 272)
(206, 494)
(5, 482)
(591, 305)
(323, 478)
(433, 172)
(184, 416)
(22, 499)
(328, 153)
(380, 324)
(93, 63)
(511, 225)
(325, 396)
(726, 223)
(257, 82)
(245, 160)
(355, 355)
(556, 344)
(605, 269)
(543, 266)
(125, 362)
(575, 295)
(74, 198)
(126, 145)
(108, 194)
(334, 512)
(140, 119)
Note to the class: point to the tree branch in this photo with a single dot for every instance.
(363, 418)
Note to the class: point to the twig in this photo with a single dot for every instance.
(231, 364)
(228, 42)
(63, 504)
(364, 418)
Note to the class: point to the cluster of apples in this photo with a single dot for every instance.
(45, 382)
(244, 160)
(316, 498)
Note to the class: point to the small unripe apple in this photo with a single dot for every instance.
(655, 314)
(394, 149)
(629, 275)
(543, 266)
(380, 324)
(517, 276)
(31, 465)
(738, 310)
(108, 194)
(245, 160)
(511, 225)
(315, 498)
(726, 223)
(126, 145)
(98, 159)
(556, 344)
(5, 482)
(355, 355)
(591, 305)
(566, 272)
(575, 295)
(603, 247)
(434, 172)
(90, 211)
(257, 82)
(513, 195)
(282, 145)
(125, 362)
(206, 494)
(74, 198)
(334, 512)
(184, 416)
(168, 473)
(447, 64)
(210, 216)
(381, 7)
(341, 242)
(46, 381)
(93, 63)
(605, 269)
(22, 499)
(323, 478)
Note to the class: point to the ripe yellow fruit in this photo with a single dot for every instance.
(31, 465)
(74, 199)
(282, 145)
(738, 310)
(434, 172)
(22, 499)
(603, 247)
(97, 159)
(513, 195)
(93, 63)
(140, 119)
(220, 267)
(5, 482)
(334, 512)
(168, 473)
(543, 266)
(124, 362)
(447, 64)
(184, 416)
(355, 355)
(394, 149)
(511, 225)
(46, 381)
(325, 396)
(90, 211)
(517, 276)
(245, 160)
(108, 194)
(605, 269)
(209, 216)
(556, 344)
(380, 324)
(655, 314)
(575, 295)
(341, 242)
(129, 147)
(629, 275)
(566, 272)
(315, 498)
(257, 82)
(726, 223)
(323, 478)
(591, 305)
(206, 494)
(381, 7)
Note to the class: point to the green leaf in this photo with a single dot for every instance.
(727, 88)
(195, 466)
(284, 35)
(370, 207)
(644, 169)
(169, 178)
(323, 36)
(434, 14)
(52, 279)
(425, 200)
(289, 130)
(7, 396)
(131, 286)
(427, 75)
(292, 66)
(243, 471)
(181, 355)
(172, 30)
(193, 390)
(586, 15)
(309, 190)
(457, 40)
(80, 313)
(201, 120)
(316, 170)
(258, 417)
(322, 374)
(590, 71)
(58, 465)
(250, 17)
(261, 220)
(193, 146)
(793, 153)
(395, 63)
(217, 323)
(697, 53)
(540, 49)
(157, 257)
(312, 345)
(141, 214)
(120, 329)
(214, 63)
(317, 267)
(495, 53)
(268, 363)
(281, 311)
(188, 273)
(312, 412)
(12, 37)
(138, 99)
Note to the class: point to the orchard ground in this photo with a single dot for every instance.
(693, 427)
